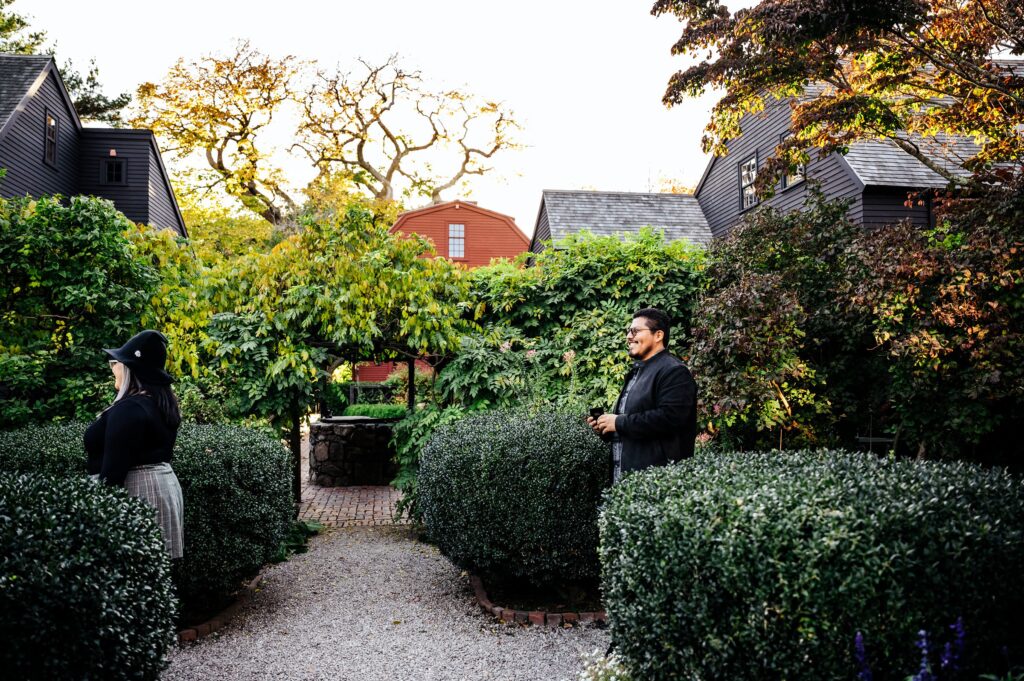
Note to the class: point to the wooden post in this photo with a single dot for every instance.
(296, 446)
(412, 384)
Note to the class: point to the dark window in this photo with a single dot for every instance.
(113, 171)
(456, 241)
(748, 176)
(798, 175)
(50, 140)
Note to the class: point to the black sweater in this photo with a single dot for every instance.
(130, 433)
(659, 424)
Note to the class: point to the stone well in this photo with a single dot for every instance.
(351, 450)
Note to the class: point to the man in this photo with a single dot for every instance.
(655, 419)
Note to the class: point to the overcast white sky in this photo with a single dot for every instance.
(584, 79)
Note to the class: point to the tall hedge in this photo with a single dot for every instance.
(85, 583)
(238, 506)
(515, 496)
(236, 487)
(766, 565)
(71, 284)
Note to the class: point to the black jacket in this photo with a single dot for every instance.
(659, 423)
(130, 433)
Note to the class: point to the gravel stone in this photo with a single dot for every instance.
(372, 603)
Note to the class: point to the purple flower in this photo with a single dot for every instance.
(954, 651)
(925, 672)
(861, 655)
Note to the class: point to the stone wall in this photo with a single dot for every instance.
(351, 450)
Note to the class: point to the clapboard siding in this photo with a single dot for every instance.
(130, 146)
(31, 87)
(542, 232)
(21, 150)
(488, 235)
(887, 205)
(163, 211)
(719, 194)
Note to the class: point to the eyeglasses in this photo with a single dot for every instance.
(633, 330)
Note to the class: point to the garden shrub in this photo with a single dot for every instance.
(236, 484)
(766, 565)
(56, 449)
(515, 496)
(238, 507)
(410, 436)
(333, 399)
(377, 411)
(85, 582)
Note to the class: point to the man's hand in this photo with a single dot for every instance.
(603, 424)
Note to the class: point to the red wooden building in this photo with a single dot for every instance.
(464, 233)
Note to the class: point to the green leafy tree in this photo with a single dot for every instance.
(346, 289)
(87, 94)
(70, 284)
(909, 72)
(15, 36)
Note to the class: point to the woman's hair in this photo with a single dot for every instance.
(165, 399)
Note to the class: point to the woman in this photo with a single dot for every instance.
(132, 441)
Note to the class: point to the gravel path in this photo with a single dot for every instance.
(372, 603)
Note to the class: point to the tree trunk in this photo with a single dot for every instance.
(412, 384)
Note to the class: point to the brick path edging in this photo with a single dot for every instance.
(194, 633)
(551, 619)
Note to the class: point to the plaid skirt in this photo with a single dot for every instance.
(157, 485)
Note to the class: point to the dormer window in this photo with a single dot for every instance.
(112, 171)
(748, 176)
(456, 241)
(50, 140)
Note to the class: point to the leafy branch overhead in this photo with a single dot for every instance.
(912, 73)
(381, 130)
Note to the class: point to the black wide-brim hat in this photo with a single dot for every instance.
(145, 354)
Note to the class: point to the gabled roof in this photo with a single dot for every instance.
(462, 205)
(606, 213)
(21, 75)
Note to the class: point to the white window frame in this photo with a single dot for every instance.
(799, 175)
(747, 176)
(456, 240)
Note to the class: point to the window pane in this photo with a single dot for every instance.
(456, 247)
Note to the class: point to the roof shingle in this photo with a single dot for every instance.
(606, 213)
(17, 74)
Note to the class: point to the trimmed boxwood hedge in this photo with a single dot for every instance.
(377, 411)
(236, 484)
(85, 583)
(238, 506)
(515, 496)
(50, 448)
(766, 565)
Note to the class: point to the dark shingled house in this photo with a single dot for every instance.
(876, 177)
(566, 212)
(45, 149)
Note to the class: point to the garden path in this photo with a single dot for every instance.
(345, 506)
(373, 603)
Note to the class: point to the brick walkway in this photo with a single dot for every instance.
(345, 506)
